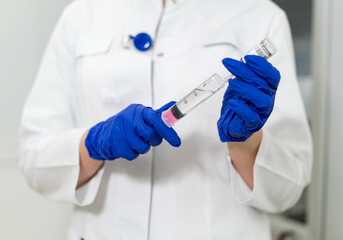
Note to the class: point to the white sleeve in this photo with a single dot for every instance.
(284, 160)
(49, 136)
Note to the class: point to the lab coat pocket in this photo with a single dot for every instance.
(93, 46)
(130, 81)
(94, 60)
(111, 77)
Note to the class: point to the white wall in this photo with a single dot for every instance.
(326, 198)
(25, 26)
(334, 178)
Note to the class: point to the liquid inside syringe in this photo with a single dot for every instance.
(209, 87)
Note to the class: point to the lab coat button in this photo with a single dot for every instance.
(161, 54)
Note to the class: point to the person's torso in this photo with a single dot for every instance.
(169, 193)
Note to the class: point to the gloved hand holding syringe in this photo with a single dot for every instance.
(265, 49)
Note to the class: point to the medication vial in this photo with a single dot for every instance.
(209, 87)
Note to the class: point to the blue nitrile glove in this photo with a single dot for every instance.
(249, 98)
(130, 133)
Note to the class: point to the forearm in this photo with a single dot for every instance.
(243, 155)
(88, 166)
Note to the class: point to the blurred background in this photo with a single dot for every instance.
(318, 37)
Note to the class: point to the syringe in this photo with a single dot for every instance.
(208, 88)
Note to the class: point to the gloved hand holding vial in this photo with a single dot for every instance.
(249, 99)
(264, 49)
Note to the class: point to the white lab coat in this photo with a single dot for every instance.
(191, 192)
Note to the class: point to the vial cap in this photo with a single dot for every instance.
(142, 41)
(268, 48)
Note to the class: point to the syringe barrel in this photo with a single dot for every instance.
(212, 85)
(188, 103)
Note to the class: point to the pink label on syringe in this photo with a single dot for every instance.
(168, 118)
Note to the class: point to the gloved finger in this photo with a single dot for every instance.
(251, 118)
(230, 127)
(130, 155)
(242, 70)
(166, 106)
(121, 148)
(143, 130)
(126, 152)
(226, 116)
(236, 129)
(264, 69)
(154, 120)
(156, 139)
(230, 94)
(148, 134)
(259, 99)
(136, 143)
